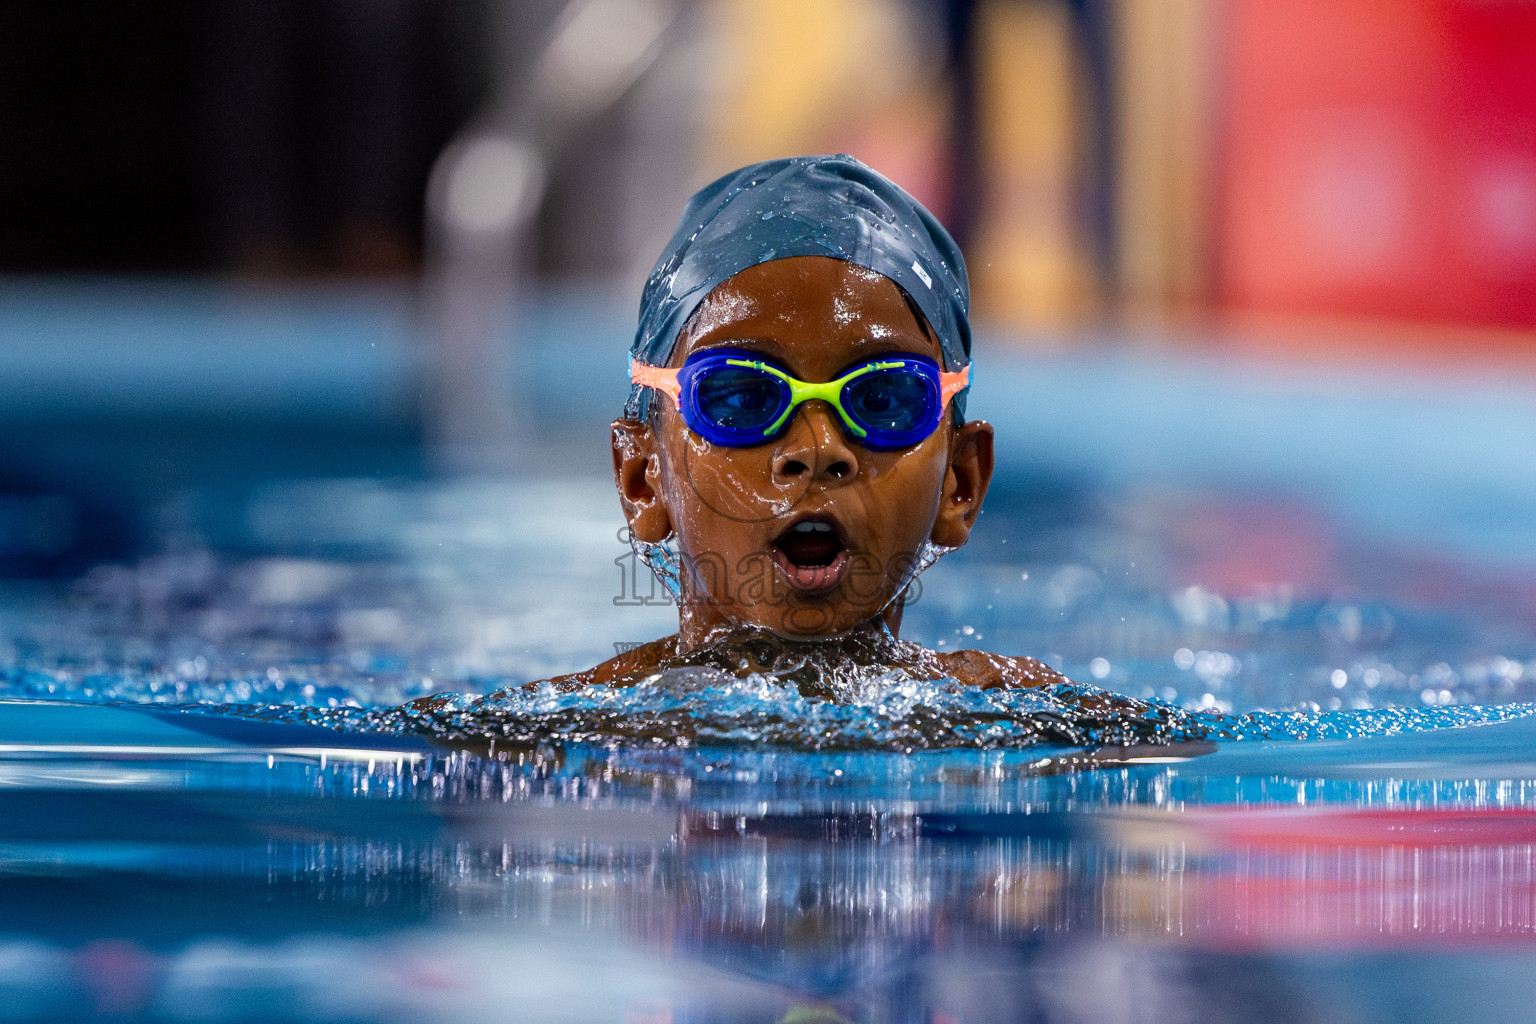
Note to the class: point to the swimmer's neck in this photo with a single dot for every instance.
(870, 636)
(695, 630)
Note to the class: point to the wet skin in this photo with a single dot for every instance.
(734, 510)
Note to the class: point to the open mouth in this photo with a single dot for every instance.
(811, 553)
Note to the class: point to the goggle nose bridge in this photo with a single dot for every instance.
(801, 391)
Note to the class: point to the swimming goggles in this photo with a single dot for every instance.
(737, 399)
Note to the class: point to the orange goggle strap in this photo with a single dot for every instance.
(663, 379)
(658, 377)
(951, 384)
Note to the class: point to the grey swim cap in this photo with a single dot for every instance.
(803, 206)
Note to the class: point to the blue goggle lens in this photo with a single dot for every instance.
(890, 401)
(738, 398)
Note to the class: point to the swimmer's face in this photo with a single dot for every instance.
(809, 534)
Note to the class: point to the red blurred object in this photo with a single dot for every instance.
(1379, 161)
(1347, 877)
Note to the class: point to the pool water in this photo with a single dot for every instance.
(168, 865)
(1325, 809)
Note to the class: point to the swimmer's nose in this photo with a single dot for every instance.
(814, 446)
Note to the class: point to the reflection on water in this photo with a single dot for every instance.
(591, 883)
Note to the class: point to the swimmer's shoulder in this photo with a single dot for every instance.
(622, 669)
(998, 671)
(990, 671)
(974, 668)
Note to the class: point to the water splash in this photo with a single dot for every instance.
(706, 706)
(750, 688)
(1310, 724)
(664, 561)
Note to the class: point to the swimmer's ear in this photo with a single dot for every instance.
(637, 474)
(965, 483)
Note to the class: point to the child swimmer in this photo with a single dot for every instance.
(794, 450)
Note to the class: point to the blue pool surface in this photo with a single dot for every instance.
(208, 812)
(163, 865)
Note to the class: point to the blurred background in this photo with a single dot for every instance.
(1363, 160)
(1283, 248)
